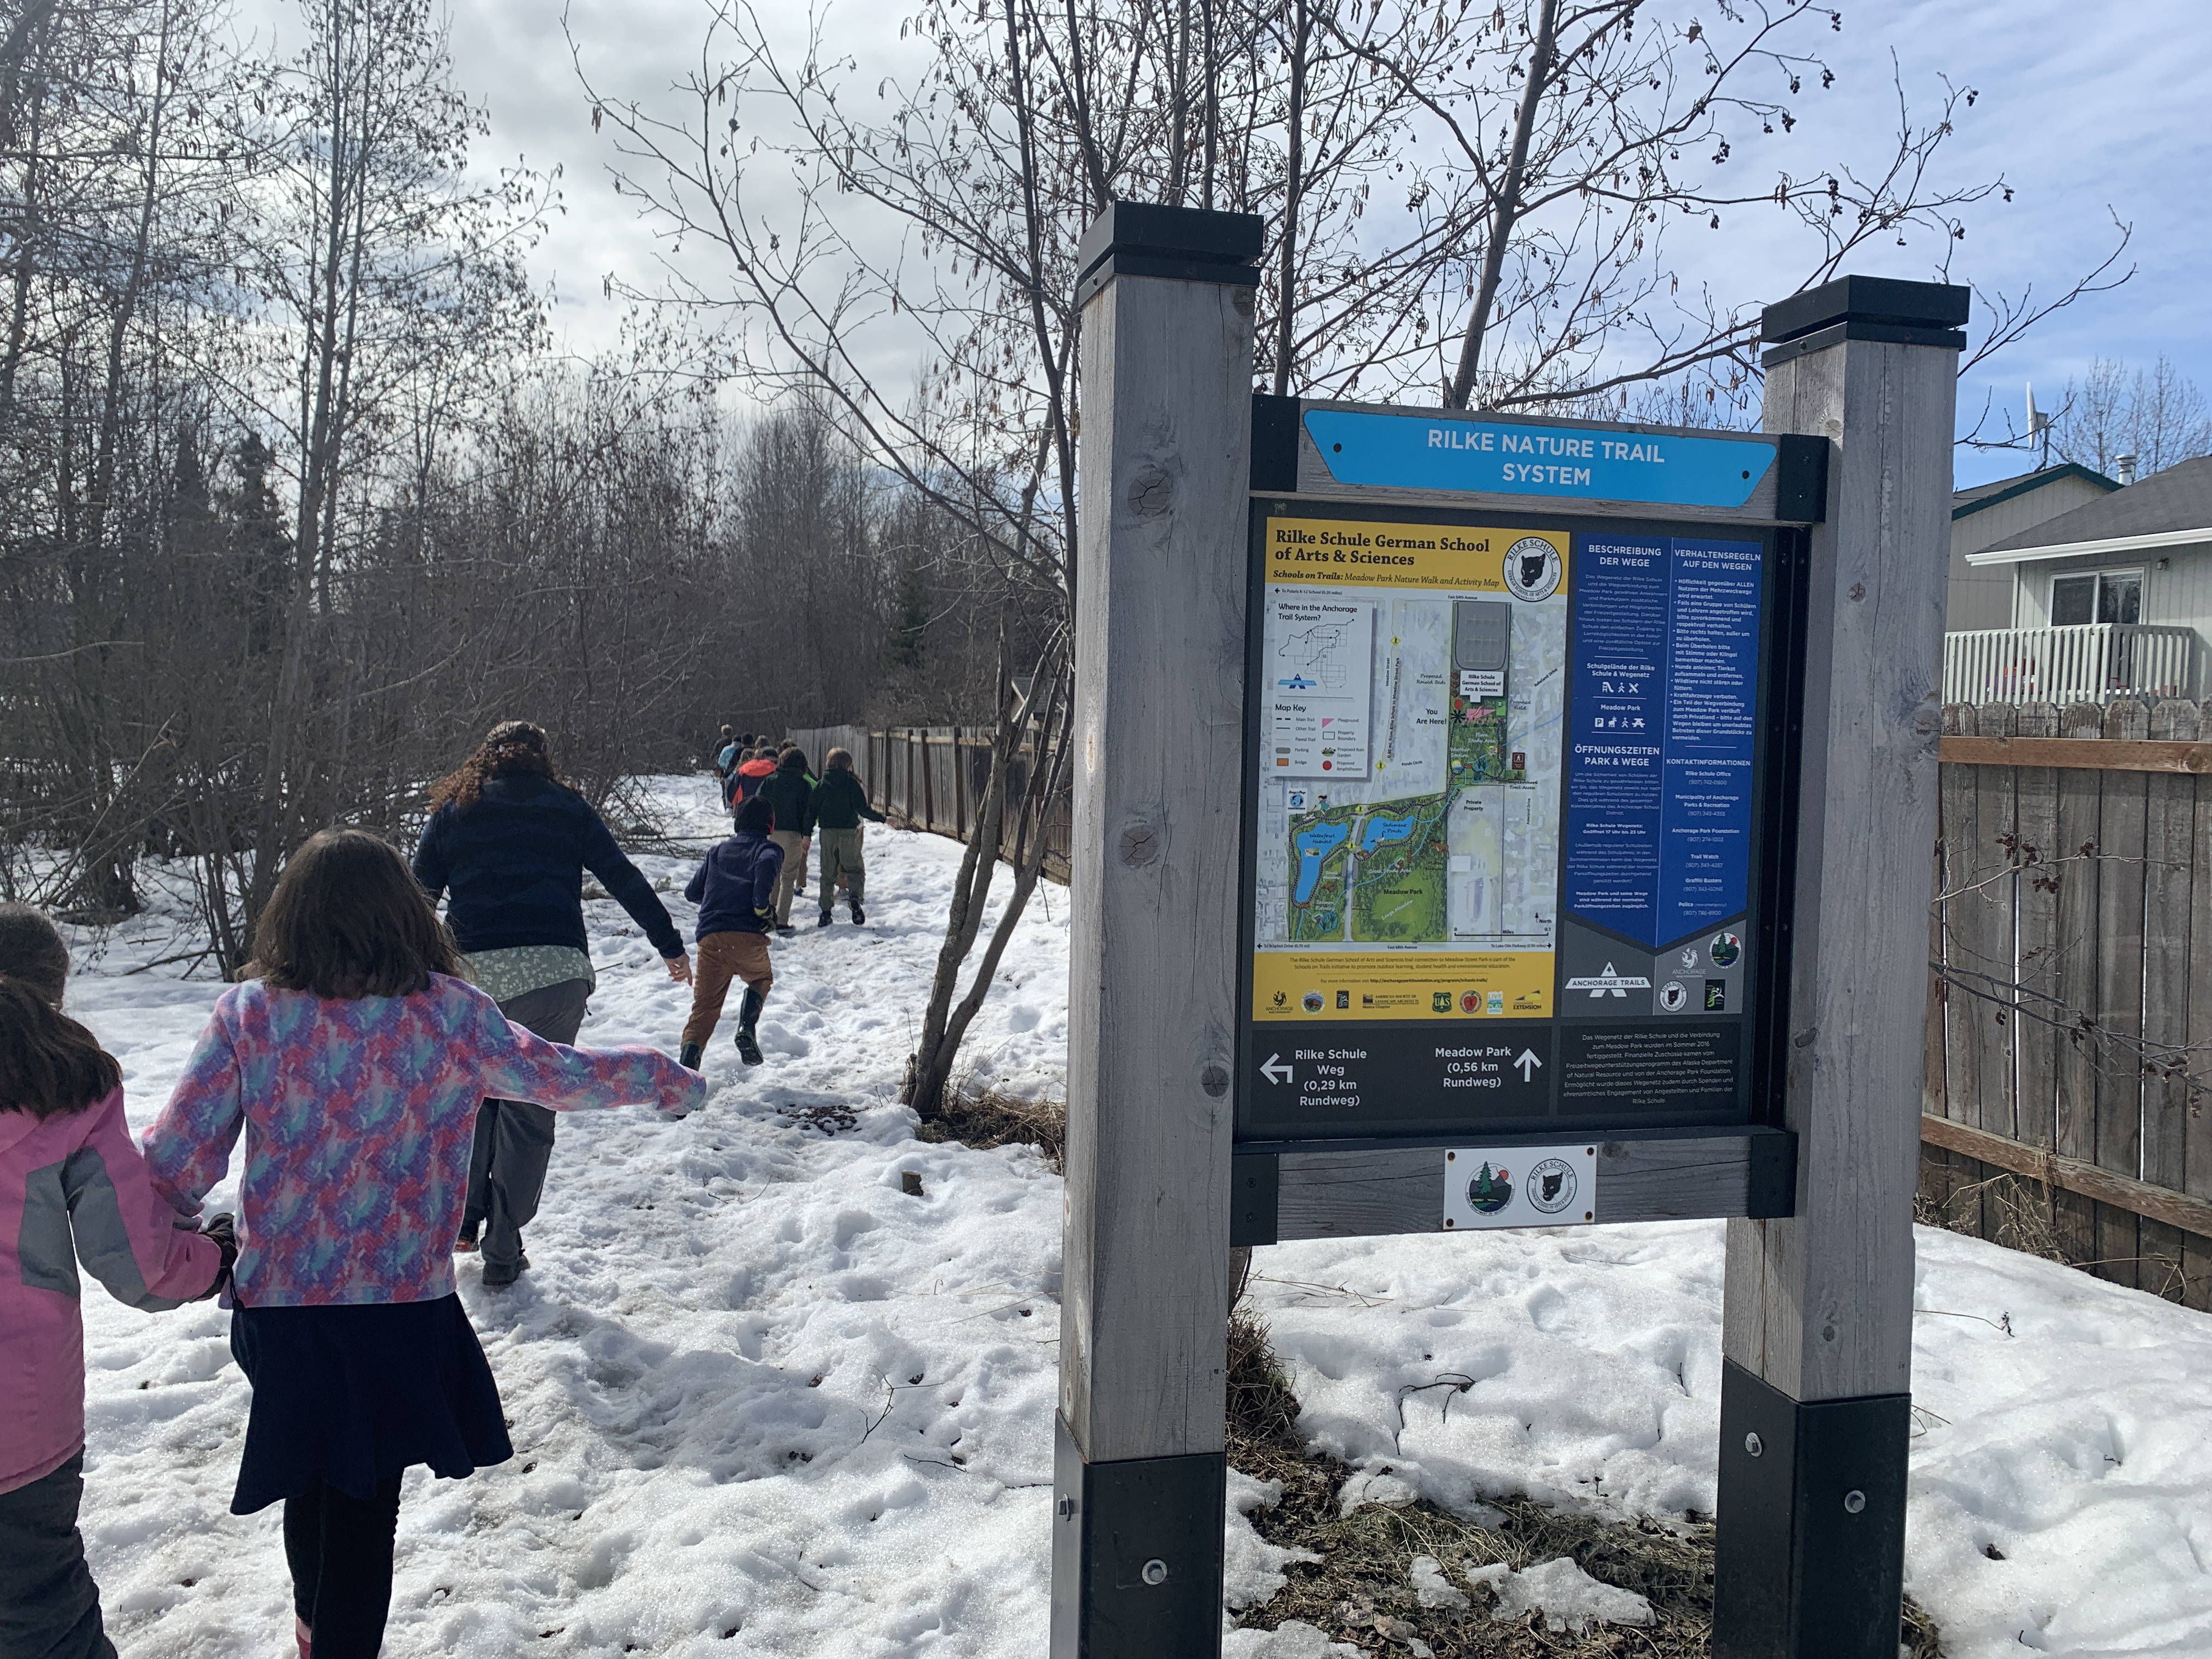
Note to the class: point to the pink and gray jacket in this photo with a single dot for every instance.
(74, 1189)
(358, 1115)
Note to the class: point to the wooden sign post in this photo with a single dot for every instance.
(1491, 821)
(1167, 297)
(1815, 1403)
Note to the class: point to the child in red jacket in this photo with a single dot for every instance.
(753, 768)
(73, 1189)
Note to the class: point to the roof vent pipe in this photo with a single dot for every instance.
(2125, 465)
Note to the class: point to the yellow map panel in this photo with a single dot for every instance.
(1370, 553)
(1336, 985)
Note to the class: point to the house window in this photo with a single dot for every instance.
(2101, 596)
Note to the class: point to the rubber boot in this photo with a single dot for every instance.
(748, 1016)
(690, 1056)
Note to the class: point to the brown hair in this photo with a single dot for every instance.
(49, 1064)
(349, 920)
(794, 759)
(838, 760)
(510, 746)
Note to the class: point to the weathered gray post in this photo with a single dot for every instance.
(1818, 1327)
(1167, 298)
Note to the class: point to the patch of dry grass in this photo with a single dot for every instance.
(985, 1118)
(1361, 1591)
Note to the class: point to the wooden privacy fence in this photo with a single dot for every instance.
(934, 777)
(2068, 1011)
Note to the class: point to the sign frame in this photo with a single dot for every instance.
(1362, 1180)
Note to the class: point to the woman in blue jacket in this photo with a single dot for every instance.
(509, 841)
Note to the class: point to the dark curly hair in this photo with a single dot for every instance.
(511, 746)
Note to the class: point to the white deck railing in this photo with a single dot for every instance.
(2093, 662)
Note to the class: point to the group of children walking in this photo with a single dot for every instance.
(352, 1064)
(393, 1079)
(745, 887)
(830, 808)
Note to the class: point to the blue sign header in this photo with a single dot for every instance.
(1507, 458)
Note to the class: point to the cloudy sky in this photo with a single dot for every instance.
(2087, 109)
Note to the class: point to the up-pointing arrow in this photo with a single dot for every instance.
(1275, 1072)
(1529, 1064)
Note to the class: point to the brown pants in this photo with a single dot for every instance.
(794, 871)
(723, 957)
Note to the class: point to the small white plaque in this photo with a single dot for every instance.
(1519, 1186)
(1482, 682)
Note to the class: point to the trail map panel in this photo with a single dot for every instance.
(1502, 824)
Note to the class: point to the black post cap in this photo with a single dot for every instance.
(1865, 308)
(1151, 238)
(1866, 300)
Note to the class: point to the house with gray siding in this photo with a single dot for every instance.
(2111, 598)
(1988, 513)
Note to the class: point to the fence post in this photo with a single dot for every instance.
(1817, 1323)
(1159, 652)
(959, 788)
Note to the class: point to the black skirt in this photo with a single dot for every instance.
(351, 1395)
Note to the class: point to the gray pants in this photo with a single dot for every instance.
(49, 1605)
(514, 1139)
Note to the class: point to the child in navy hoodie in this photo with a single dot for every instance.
(735, 892)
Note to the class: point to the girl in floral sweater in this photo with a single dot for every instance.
(354, 1065)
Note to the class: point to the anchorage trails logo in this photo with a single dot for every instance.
(1491, 1190)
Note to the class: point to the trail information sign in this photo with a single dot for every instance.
(1536, 715)
(1507, 810)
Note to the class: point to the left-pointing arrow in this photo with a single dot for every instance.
(1274, 1071)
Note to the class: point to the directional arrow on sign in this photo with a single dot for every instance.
(1275, 1072)
(1528, 1063)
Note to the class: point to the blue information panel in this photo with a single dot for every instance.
(1659, 768)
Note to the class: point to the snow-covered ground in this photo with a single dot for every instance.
(765, 1402)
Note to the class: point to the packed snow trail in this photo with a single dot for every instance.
(764, 1402)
